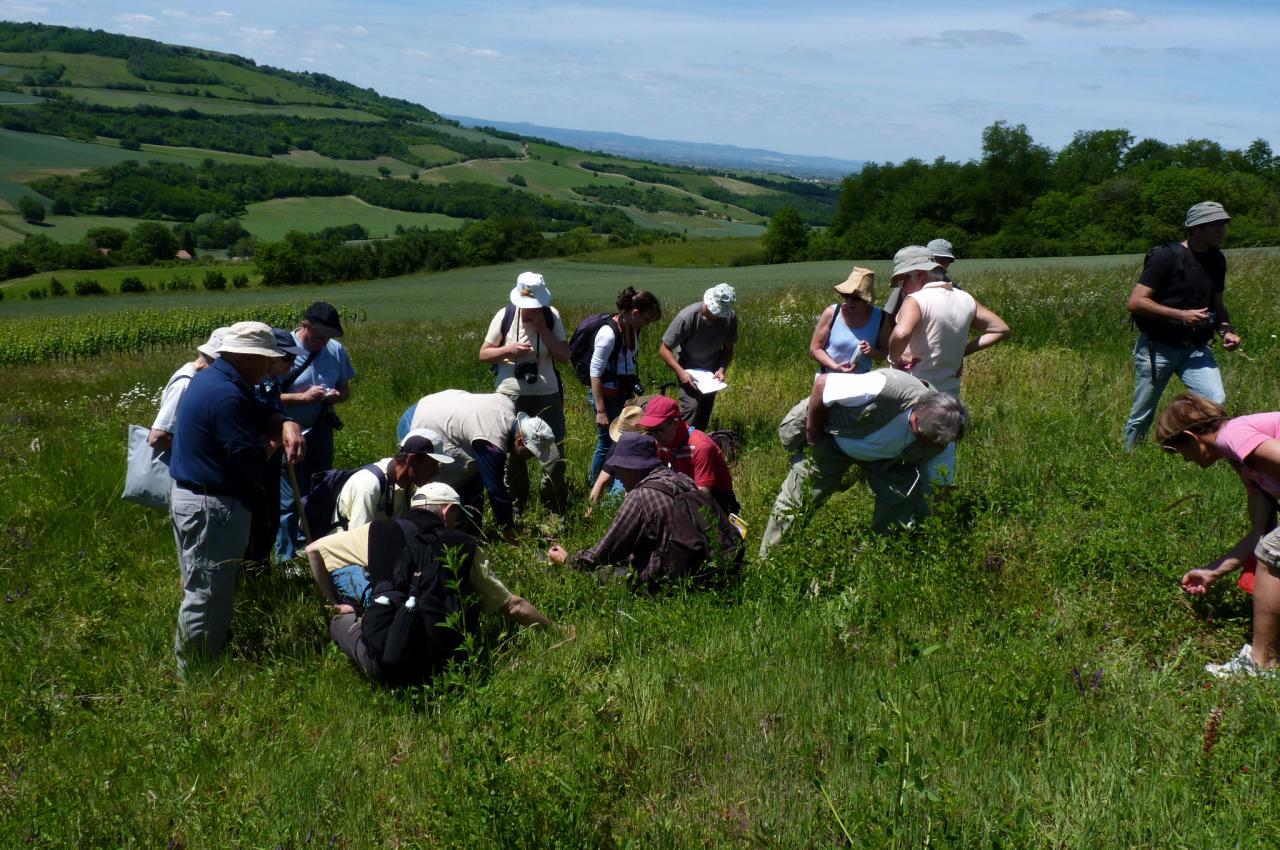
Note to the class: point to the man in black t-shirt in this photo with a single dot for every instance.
(1177, 305)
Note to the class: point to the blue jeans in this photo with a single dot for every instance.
(352, 585)
(319, 458)
(613, 405)
(1195, 366)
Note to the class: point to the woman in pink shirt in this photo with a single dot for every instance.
(1200, 431)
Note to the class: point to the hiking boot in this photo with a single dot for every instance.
(1241, 664)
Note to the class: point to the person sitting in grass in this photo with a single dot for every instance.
(647, 540)
(1200, 430)
(356, 571)
(889, 423)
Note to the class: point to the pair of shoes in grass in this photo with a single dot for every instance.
(1240, 664)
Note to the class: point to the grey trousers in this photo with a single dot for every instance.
(901, 490)
(552, 489)
(695, 408)
(211, 533)
(347, 634)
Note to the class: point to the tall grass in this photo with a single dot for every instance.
(1022, 671)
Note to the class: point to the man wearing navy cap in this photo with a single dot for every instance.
(317, 382)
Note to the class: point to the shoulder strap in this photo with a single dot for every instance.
(387, 482)
(298, 370)
(508, 316)
(175, 380)
(619, 340)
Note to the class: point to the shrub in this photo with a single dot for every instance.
(517, 180)
(32, 210)
(240, 281)
(178, 283)
(214, 279)
(88, 286)
(132, 283)
(56, 289)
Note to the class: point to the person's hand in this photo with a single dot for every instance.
(509, 535)
(1231, 340)
(534, 318)
(812, 435)
(845, 367)
(720, 374)
(685, 379)
(906, 362)
(865, 347)
(339, 610)
(1191, 318)
(557, 554)
(602, 417)
(295, 444)
(314, 393)
(1196, 582)
(586, 513)
(269, 444)
(515, 349)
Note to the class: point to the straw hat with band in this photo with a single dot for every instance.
(860, 282)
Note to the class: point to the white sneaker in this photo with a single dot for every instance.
(1241, 664)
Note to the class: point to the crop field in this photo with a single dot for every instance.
(362, 167)
(26, 156)
(271, 220)
(213, 106)
(679, 254)
(110, 278)
(65, 228)
(1020, 671)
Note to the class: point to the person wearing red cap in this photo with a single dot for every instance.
(690, 451)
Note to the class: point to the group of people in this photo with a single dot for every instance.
(398, 556)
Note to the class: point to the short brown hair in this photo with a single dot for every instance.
(1189, 412)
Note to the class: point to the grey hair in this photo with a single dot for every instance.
(942, 418)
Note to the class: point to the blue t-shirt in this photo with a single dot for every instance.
(331, 368)
(216, 449)
(843, 344)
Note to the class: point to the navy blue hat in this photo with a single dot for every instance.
(323, 317)
(287, 344)
(635, 450)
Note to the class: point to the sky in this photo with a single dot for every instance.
(879, 81)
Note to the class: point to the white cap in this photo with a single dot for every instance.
(424, 441)
(720, 300)
(210, 348)
(434, 493)
(941, 248)
(536, 435)
(913, 258)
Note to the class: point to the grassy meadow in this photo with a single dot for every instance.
(1021, 671)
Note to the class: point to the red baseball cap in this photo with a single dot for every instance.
(658, 411)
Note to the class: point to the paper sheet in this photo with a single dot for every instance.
(706, 382)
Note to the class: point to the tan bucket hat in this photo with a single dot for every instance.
(860, 282)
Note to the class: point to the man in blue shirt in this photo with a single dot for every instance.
(222, 439)
(319, 381)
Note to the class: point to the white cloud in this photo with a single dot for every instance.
(222, 13)
(255, 32)
(1089, 17)
(985, 38)
(478, 52)
(134, 18)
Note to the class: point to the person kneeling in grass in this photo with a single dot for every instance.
(1201, 431)
(414, 571)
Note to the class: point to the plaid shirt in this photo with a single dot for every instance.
(639, 532)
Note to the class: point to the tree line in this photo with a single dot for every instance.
(179, 192)
(1102, 193)
(254, 135)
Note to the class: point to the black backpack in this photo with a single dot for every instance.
(583, 342)
(703, 545)
(320, 500)
(420, 610)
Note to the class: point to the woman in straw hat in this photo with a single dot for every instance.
(852, 333)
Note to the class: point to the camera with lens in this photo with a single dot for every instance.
(527, 372)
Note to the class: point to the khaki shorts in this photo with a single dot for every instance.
(1268, 549)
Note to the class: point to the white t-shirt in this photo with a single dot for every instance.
(178, 383)
(506, 382)
(852, 389)
(603, 351)
(360, 500)
(946, 314)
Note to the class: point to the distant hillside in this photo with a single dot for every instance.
(701, 154)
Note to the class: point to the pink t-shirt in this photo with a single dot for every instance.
(1240, 437)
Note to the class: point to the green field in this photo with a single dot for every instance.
(152, 276)
(1021, 671)
(362, 167)
(686, 253)
(435, 155)
(65, 228)
(213, 106)
(271, 220)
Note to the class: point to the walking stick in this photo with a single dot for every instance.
(297, 502)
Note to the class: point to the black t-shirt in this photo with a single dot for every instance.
(1185, 280)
